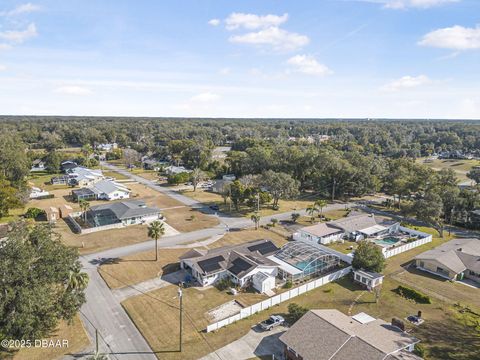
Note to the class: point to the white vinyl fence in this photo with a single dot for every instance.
(277, 299)
(408, 246)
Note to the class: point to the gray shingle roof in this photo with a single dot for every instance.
(456, 255)
(239, 259)
(108, 187)
(125, 209)
(355, 223)
(330, 334)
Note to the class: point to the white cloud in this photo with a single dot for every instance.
(406, 82)
(19, 36)
(205, 97)
(275, 37)
(21, 9)
(214, 22)
(3, 67)
(4, 46)
(424, 4)
(225, 71)
(307, 64)
(73, 90)
(252, 21)
(455, 37)
(405, 4)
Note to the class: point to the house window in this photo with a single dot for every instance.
(364, 280)
(357, 277)
(422, 264)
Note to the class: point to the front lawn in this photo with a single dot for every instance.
(136, 268)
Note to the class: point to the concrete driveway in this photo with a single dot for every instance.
(255, 343)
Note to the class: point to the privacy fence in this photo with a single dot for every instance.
(277, 299)
(408, 246)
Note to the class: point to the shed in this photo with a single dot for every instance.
(53, 214)
(263, 282)
(368, 278)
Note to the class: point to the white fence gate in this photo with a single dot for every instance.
(277, 299)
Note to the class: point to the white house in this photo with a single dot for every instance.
(37, 192)
(239, 263)
(173, 170)
(107, 146)
(37, 165)
(321, 233)
(110, 190)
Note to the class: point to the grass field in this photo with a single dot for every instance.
(74, 333)
(115, 175)
(446, 330)
(461, 167)
(213, 198)
(139, 267)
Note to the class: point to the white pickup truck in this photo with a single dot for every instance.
(271, 322)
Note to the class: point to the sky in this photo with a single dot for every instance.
(249, 58)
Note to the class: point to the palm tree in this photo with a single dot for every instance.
(155, 231)
(295, 217)
(320, 204)
(84, 206)
(311, 210)
(77, 280)
(256, 219)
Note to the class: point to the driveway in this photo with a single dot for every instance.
(255, 344)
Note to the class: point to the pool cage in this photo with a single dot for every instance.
(311, 260)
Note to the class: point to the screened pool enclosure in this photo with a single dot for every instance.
(308, 259)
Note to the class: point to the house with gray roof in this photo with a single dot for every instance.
(328, 334)
(454, 260)
(102, 190)
(122, 212)
(356, 227)
(239, 263)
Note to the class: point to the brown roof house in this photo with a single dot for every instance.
(329, 334)
(455, 260)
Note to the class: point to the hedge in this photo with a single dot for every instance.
(412, 294)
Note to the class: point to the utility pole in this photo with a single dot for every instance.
(180, 296)
(230, 196)
(333, 189)
(258, 202)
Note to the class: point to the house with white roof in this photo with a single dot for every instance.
(102, 190)
(357, 227)
(84, 177)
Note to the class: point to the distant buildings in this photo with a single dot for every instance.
(173, 170)
(36, 193)
(38, 165)
(107, 146)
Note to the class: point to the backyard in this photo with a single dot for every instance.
(444, 320)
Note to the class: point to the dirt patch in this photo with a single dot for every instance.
(224, 311)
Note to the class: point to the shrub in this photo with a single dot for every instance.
(412, 294)
(295, 312)
(224, 284)
(33, 213)
(176, 179)
(419, 350)
(288, 285)
(274, 221)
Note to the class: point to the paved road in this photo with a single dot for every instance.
(121, 339)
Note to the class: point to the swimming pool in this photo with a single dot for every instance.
(387, 241)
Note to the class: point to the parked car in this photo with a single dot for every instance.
(271, 322)
(214, 207)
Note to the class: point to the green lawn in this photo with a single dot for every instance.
(461, 167)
